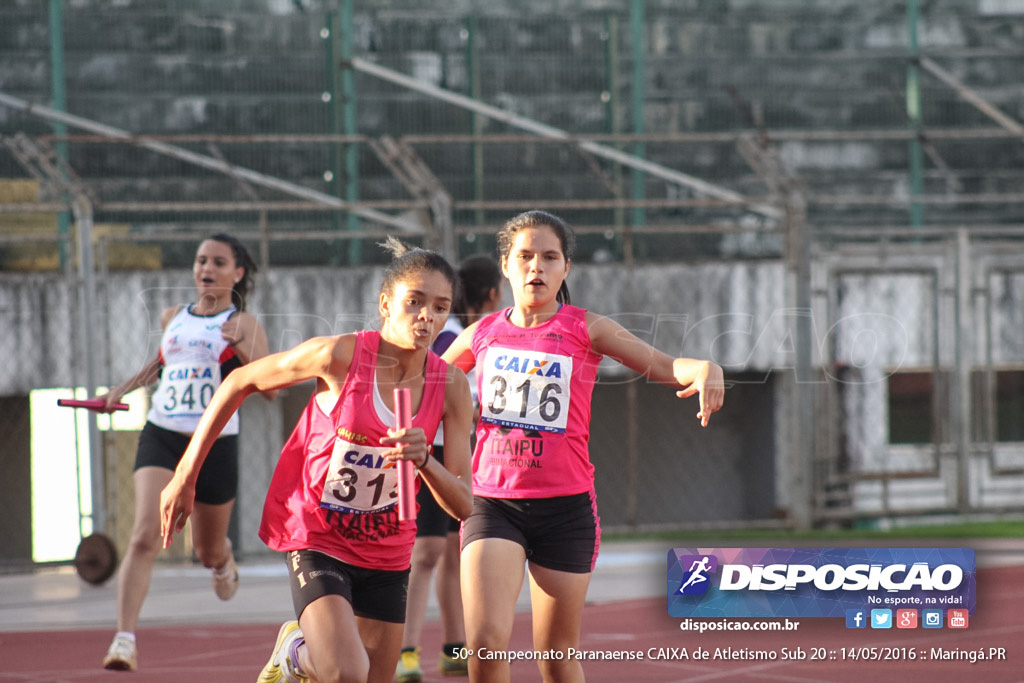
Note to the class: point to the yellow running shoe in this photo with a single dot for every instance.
(280, 668)
(452, 666)
(409, 670)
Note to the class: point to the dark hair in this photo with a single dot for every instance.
(479, 275)
(536, 219)
(412, 260)
(243, 260)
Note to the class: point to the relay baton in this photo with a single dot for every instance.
(90, 403)
(406, 487)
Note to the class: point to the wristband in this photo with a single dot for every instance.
(430, 452)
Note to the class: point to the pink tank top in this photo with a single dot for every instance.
(330, 491)
(535, 386)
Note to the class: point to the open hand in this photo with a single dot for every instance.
(176, 503)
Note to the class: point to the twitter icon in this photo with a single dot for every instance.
(881, 618)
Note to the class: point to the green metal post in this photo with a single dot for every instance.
(914, 117)
(636, 21)
(59, 96)
(611, 114)
(348, 115)
(342, 113)
(476, 121)
(331, 48)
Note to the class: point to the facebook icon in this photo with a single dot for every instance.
(856, 618)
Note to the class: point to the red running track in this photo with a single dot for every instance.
(235, 653)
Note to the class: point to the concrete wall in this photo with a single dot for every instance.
(683, 311)
(733, 311)
(873, 314)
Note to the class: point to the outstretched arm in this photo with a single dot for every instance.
(700, 377)
(146, 376)
(323, 357)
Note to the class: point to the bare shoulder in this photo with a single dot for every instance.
(456, 386)
(337, 353)
(329, 348)
(456, 377)
(326, 357)
(247, 320)
(465, 337)
(168, 314)
(600, 325)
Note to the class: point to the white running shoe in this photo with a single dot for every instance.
(122, 655)
(226, 579)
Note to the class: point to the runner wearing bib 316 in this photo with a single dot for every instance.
(533, 483)
(535, 388)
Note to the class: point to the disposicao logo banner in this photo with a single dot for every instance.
(817, 582)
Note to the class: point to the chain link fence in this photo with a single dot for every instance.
(287, 124)
(656, 468)
(917, 392)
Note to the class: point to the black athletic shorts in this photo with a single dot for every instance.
(432, 520)
(561, 533)
(373, 593)
(218, 478)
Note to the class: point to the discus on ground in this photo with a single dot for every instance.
(96, 558)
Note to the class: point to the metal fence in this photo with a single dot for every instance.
(915, 389)
(625, 116)
(771, 190)
(923, 423)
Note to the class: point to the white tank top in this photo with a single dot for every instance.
(195, 359)
(454, 326)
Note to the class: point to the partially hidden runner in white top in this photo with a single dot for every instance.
(437, 533)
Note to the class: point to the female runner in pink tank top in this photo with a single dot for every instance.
(331, 505)
(533, 482)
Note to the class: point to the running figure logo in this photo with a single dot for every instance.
(695, 580)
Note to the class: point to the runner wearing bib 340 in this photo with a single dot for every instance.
(533, 481)
(201, 343)
(195, 357)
